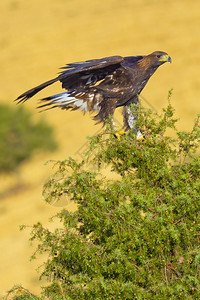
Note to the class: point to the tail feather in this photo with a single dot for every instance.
(30, 93)
(65, 100)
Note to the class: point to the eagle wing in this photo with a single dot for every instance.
(130, 61)
(86, 74)
(77, 76)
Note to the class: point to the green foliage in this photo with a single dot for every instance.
(136, 237)
(20, 136)
(21, 294)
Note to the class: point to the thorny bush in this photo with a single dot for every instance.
(136, 236)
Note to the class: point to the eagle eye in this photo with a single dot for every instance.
(158, 56)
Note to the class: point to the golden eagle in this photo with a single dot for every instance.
(102, 85)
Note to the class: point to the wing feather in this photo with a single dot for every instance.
(77, 76)
(85, 74)
(129, 61)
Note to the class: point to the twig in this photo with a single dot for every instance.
(19, 289)
(166, 275)
(61, 289)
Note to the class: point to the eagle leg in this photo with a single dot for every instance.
(130, 121)
(118, 134)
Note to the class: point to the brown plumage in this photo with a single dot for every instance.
(102, 85)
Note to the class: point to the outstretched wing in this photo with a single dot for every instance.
(85, 74)
(79, 75)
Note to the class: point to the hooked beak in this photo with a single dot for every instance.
(165, 58)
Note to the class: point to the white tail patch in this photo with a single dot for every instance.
(81, 101)
(81, 105)
(69, 101)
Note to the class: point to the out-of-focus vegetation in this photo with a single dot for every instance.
(20, 136)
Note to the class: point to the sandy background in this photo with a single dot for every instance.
(36, 38)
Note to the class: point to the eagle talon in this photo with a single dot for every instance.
(139, 136)
(118, 134)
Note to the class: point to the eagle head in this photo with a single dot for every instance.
(160, 57)
(154, 60)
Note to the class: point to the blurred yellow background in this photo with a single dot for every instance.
(36, 38)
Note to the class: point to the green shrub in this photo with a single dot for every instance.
(20, 136)
(136, 237)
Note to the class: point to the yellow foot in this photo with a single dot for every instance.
(139, 136)
(118, 134)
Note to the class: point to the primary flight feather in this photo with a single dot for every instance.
(102, 85)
